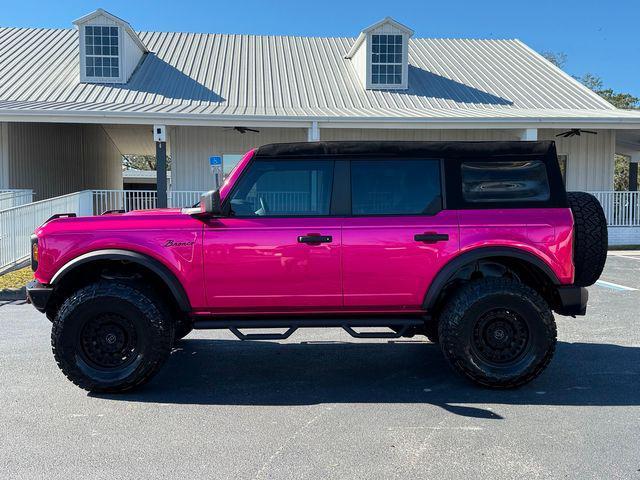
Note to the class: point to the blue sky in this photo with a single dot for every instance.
(596, 36)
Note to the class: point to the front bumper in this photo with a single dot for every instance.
(572, 300)
(38, 294)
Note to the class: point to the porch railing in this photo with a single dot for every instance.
(622, 209)
(127, 200)
(18, 223)
(15, 198)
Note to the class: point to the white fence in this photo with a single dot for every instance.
(18, 223)
(127, 200)
(622, 209)
(15, 198)
(104, 200)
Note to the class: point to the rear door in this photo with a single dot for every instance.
(399, 235)
(279, 250)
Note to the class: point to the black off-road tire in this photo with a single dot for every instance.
(464, 342)
(590, 237)
(82, 326)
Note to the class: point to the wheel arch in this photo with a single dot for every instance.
(455, 265)
(161, 271)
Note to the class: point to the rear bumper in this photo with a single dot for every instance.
(38, 294)
(572, 300)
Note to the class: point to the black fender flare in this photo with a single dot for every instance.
(157, 267)
(449, 270)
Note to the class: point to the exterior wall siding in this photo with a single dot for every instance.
(589, 164)
(56, 159)
(331, 134)
(590, 158)
(191, 148)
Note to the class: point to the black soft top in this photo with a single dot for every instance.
(422, 149)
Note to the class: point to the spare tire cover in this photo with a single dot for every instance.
(590, 239)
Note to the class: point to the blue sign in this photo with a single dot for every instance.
(215, 161)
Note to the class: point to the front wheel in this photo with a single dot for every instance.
(111, 337)
(497, 332)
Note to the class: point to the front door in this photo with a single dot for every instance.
(280, 248)
(398, 237)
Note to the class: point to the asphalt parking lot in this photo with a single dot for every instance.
(324, 405)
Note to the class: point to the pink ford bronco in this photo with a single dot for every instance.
(472, 244)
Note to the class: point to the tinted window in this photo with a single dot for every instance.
(524, 181)
(284, 187)
(395, 187)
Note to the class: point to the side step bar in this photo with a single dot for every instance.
(402, 326)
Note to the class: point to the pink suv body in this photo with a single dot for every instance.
(344, 242)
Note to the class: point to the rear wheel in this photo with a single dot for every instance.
(498, 333)
(111, 337)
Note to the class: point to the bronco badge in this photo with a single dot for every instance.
(173, 243)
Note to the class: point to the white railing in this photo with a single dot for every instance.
(15, 198)
(183, 198)
(282, 202)
(128, 200)
(622, 209)
(18, 223)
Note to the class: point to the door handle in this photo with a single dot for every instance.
(431, 237)
(315, 239)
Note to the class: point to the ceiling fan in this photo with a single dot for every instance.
(575, 132)
(243, 129)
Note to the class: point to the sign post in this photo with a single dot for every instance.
(215, 163)
(160, 137)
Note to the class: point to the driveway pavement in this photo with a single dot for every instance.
(324, 405)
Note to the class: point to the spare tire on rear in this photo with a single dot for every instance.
(590, 239)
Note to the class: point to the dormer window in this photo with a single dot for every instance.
(102, 51)
(380, 55)
(110, 51)
(386, 59)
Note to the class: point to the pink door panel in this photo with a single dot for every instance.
(385, 266)
(260, 264)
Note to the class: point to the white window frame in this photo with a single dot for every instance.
(404, 65)
(83, 57)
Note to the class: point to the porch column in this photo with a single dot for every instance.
(4, 155)
(633, 172)
(160, 137)
(529, 134)
(314, 132)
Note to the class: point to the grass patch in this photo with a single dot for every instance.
(16, 279)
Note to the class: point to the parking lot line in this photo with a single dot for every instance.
(615, 286)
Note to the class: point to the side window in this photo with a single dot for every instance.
(395, 187)
(284, 188)
(229, 162)
(519, 181)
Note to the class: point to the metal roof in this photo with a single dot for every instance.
(231, 78)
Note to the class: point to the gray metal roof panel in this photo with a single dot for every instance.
(211, 74)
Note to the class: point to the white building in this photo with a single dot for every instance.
(72, 101)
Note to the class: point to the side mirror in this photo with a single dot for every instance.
(210, 203)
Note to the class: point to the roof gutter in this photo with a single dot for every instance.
(284, 121)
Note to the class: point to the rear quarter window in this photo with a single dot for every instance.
(505, 182)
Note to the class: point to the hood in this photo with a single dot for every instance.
(157, 219)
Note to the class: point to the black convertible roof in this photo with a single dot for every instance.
(423, 149)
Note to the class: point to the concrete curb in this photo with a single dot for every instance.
(13, 294)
